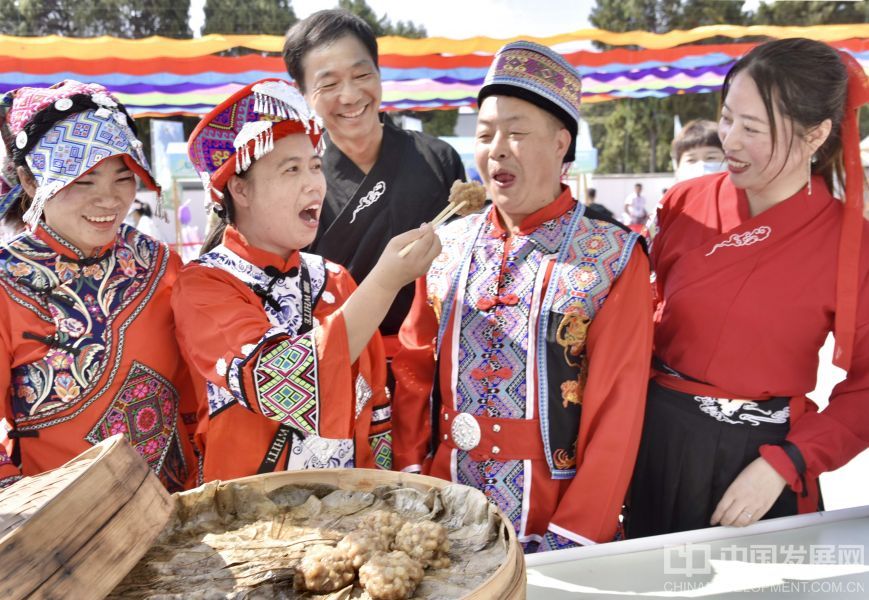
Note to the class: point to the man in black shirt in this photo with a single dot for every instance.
(380, 179)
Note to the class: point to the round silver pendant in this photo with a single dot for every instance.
(21, 140)
(465, 431)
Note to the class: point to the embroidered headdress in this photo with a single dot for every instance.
(244, 128)
(61, 133)
(538, 75)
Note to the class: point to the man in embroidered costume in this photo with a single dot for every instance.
(531, 332)
(754, 268)
(86, 328)
(295, 378)
(381, 179)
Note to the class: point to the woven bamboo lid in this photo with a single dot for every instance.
(75, 531)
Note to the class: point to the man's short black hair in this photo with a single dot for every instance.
(319, 29)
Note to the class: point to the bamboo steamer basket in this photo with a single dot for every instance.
(508, 582)
(76, 531)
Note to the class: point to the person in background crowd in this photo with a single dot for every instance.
(696, 150)
(141, 218)
(596, 209)
(289, 347)
(635, 214)
(525, 356)
(86, 329)
(754, 267)
(380, 179)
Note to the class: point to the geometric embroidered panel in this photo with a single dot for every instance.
(145, 410)
(286, 383)
(381, 447)
(553, 541)
(503, 483)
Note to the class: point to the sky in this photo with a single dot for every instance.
(468, 18)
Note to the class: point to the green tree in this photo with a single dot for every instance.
(434, 122)
(141, 18)
(46, 18)
(382, 25)
(269, 17)
(811, 13)
(634, 135)
(10, 17)
(119, 18)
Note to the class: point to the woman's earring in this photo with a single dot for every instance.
(810, 176)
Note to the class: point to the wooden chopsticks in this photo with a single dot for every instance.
(442, 216)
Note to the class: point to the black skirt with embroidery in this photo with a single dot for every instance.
(692, 449)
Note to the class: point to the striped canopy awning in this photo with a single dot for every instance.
(162, 77)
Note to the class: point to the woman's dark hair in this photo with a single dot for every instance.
(320, 29)
(36, 128)
(695, 134)
(808, 83)
(225, 216)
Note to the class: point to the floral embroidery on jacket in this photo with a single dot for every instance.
(83, 300)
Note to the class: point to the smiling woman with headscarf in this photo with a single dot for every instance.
(86, 329)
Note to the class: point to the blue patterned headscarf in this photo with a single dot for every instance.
(74, 144)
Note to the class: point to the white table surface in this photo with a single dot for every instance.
(818, 555)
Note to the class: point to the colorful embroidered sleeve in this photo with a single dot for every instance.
(619, 350)
(414, 370)
(9, 473)
(268, 370)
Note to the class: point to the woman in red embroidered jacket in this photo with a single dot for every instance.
(754, 268)
(86, 329)
(289, 346)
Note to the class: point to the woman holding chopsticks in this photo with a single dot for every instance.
(288, 344)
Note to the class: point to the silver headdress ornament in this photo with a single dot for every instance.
(280, 100)
(264, 142)
(43, 193)
(274, 99)
(107, 106)
(205, 177)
